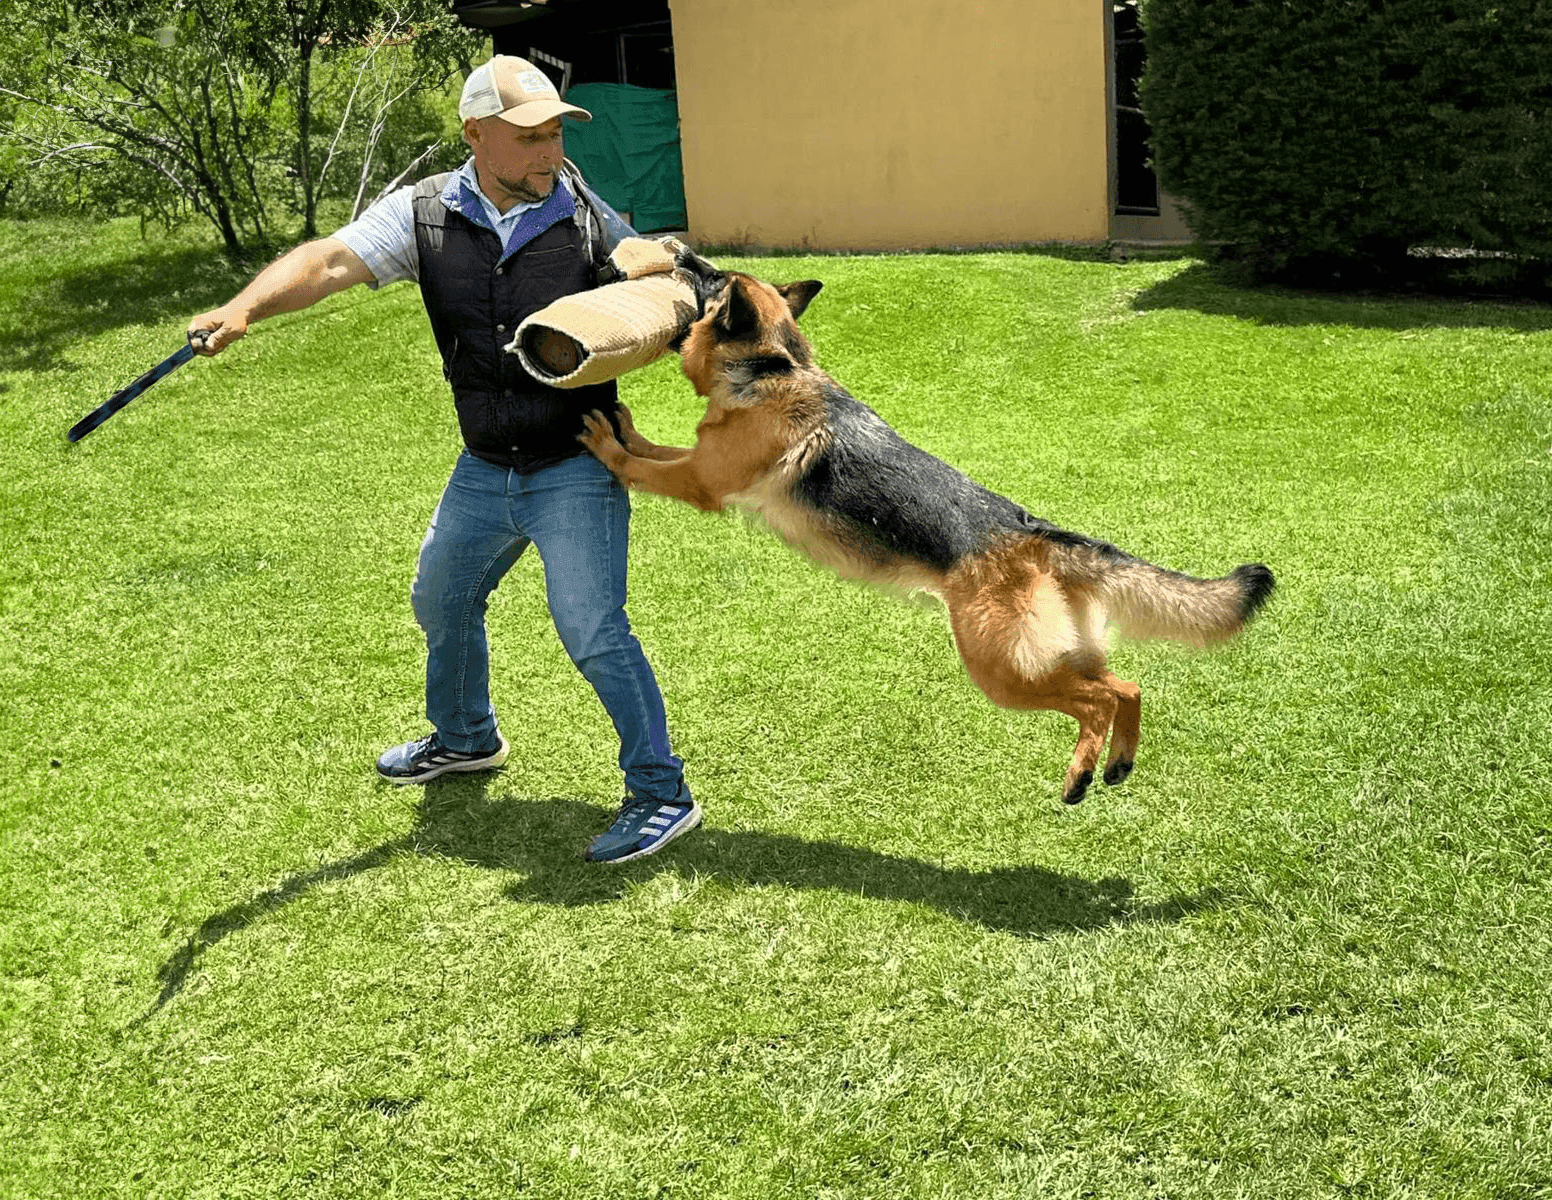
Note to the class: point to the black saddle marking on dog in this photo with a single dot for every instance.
(895, 500)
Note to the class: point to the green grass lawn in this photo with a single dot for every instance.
(1302, 952)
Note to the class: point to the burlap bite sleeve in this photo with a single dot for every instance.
(592, 337)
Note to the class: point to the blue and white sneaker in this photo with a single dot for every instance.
(643, 827)
(416, 762)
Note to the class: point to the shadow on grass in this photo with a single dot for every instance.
(174, 973)
(158, 284)
(543, 839)
(1200, 289)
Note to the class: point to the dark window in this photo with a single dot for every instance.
(1137, 190)
(600, 41)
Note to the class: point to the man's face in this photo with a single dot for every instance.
(516, 160)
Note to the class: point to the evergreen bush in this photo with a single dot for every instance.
(1312, 135)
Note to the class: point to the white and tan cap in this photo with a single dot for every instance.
(514, 90)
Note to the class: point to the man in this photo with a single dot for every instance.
(514, 229)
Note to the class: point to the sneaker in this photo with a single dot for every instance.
(643, 827)
(416, 762)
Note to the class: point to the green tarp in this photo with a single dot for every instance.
(629, 151)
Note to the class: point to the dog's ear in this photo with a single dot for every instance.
(738, 319)
(687, 260)
(797, 295)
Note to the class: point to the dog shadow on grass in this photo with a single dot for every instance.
(542, 841)
(1027, 899)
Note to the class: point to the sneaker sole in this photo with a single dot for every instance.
(692, 823)
(477, 764)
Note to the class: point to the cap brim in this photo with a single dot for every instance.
(537, 112)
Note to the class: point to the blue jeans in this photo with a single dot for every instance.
(578, 516)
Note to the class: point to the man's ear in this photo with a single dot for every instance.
(738, 318)
(797, 295)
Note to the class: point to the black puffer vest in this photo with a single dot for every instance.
(476, 300)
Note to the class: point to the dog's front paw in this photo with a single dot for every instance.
(629, 437)
(598, 436)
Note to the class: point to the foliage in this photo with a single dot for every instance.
(166, 106)
(1302, 952)
(404, 50)
(1314, 132)
(381, 117)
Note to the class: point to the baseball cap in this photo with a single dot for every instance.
(514, 90)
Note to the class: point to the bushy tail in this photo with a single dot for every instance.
(1145, 601)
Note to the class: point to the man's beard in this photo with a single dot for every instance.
(524, 190)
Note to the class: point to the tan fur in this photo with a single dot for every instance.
(1028, 614)
(1145, 601)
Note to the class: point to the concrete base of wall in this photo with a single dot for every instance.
(1168, 226)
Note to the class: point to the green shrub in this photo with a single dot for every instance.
(1309, 134)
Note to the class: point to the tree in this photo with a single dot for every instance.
(376, 99)
(207, 104)
(391, 50)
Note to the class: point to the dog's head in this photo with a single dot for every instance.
(747, 330)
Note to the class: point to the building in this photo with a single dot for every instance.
(875, 124)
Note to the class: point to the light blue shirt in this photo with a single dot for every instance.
(383, 237)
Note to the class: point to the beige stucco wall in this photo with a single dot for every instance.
(873, 124)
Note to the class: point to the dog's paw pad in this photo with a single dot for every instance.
(1079, 786)
(1117, 771)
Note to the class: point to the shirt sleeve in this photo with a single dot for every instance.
(383, 237)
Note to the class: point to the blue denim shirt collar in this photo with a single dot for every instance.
(460, 195)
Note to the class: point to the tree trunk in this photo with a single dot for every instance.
(223, 218)
(304, 129)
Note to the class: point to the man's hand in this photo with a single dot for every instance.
(212, 332)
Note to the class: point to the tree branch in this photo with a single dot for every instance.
(392, 184)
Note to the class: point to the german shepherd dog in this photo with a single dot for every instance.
(1028, 602)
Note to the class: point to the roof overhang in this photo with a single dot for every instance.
(491, 14)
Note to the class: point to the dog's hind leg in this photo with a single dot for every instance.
(1093, 703)
(1022, 648)
(1126, 731)
(1090, 701)
(1088, 616)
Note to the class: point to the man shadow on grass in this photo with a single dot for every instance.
(541, 841)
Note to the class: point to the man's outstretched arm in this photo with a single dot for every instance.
(295, 280)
